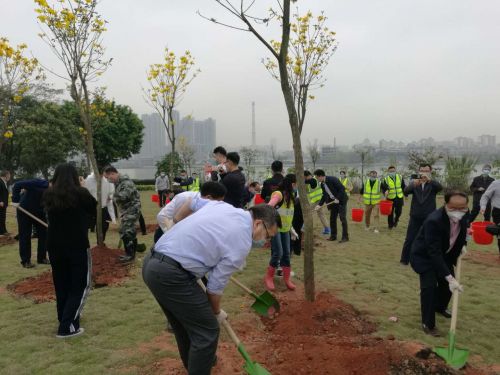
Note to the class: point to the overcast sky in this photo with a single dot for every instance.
(403, 70)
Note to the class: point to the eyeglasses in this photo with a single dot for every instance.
(268, 236)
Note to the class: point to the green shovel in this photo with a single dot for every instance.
(265, 304)
(251, 367)
(456, 358)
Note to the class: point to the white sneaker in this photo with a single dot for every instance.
(376, 231)
(73, 334)
(292, 274)
(367, 228)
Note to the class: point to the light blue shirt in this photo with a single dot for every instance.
(215, 240)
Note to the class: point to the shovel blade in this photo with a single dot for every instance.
(266, 305)
(456, 358)
(253, 368)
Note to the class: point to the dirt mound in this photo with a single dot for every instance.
(6, 240)
(106, 270)
(320, 338)
(489, 259)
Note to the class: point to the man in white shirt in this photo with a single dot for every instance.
(108, 210)
(215, 240)
(209, 191)
(161, 187)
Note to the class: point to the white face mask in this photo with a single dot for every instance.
(455, 215)
(486, 172)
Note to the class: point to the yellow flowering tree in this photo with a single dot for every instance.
(311, 45)
(16, 75)
(167, 84)
(297, 61)
(74, 31)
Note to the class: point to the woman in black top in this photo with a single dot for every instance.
(69, 208)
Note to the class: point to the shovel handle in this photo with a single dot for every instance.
(32, 216)
(224, 323)
(242, 286)
(454, 310)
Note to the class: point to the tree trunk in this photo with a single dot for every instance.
(293, 119)
(84, 109)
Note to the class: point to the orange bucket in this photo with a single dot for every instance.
(479, 234)
(357, 214)
(385, 207)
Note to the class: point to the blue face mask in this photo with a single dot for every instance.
(257, 244)
(392, 174)
(373, 178)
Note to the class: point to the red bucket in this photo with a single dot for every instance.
(385, 207)
(155, 198)
(357, 214)
(479, 234)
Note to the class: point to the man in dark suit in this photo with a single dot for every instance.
(4, 200)
(477, 188)
(333, 191)
(424, 190)
(434, 252)
(31, 201)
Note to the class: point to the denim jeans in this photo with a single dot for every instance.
(280, 250)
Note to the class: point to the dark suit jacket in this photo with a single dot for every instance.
(336, 188)
(4, 194)
(429, 250)
(480, 182)
(424, 200)
(31, 200)
(270, 186)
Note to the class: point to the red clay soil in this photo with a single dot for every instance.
(6, 240)
(106, 270)
(320, 338)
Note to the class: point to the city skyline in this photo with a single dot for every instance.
(411, 71)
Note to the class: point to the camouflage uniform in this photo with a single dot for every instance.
(128, 200)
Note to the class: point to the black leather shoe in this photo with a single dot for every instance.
(403, 263)
(44, 261)
(126, 258)
(28, 265)
(431, 331)
(332, 239)
(445, 313)
(344, 240)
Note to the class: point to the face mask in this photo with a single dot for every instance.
(392, 174)
(455, 215)
(486, 172)
(342, 176)
(295, 190)
(373, 178)
(162, 175)
(257, 244)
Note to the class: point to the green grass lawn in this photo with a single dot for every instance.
(364, 272)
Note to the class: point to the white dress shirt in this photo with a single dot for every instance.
(216, 239)
(107, 190)
(168, 212)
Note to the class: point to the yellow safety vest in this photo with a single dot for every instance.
(371, 195)
(286, 215)
(196, 185)
(395, 189)
(315, 194)
(344, 182)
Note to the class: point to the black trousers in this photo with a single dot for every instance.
(25, 226)
(414, 226)
(105, 222)
(3, 219)
(297, 223)
(142, 224)
(435, 295)
(71, 272)
(187, 309)
(162, 195)
(476, 207)
(397, 209)
(496, 219)
(340, 211)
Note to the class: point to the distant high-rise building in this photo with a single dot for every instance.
(487, 140)
(198, 134)
(464, 142)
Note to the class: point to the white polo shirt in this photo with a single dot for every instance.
(216, 240)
